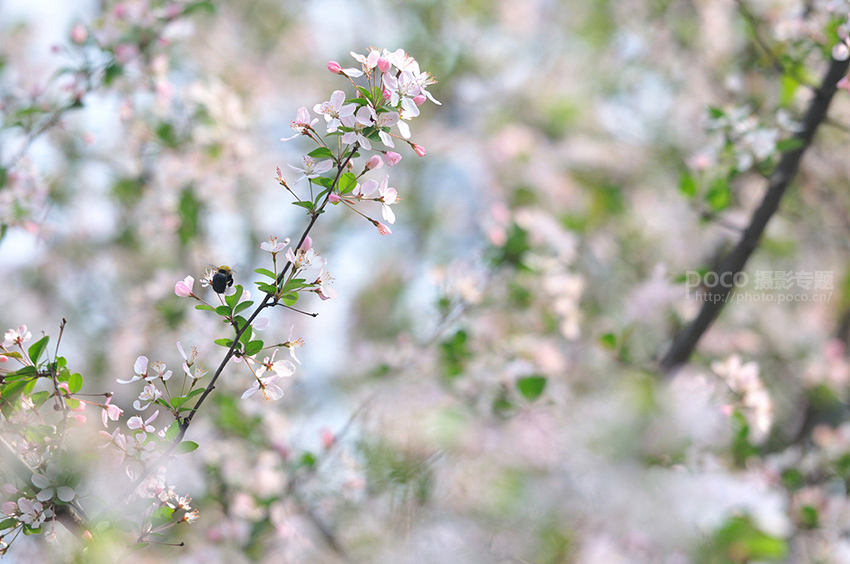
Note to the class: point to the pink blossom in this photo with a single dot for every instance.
(135, 422)
(184, 287)
(110, 411)
(419, 150)
(334, 67)
(383, 64)
(273, 246)
(328, 437)
(374, 162)
(299, 125)
(333, 198)
(4, 358)
(392, 158)
(79, 34)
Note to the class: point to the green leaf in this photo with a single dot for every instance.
(223, 310)
(266, 272)
(75, 383)
(253, 347)
(208, 7)
(172, 432)
(8, 523)
(242, 306)
(714, 112)
(308, 459)
(189, 210)
(347, 183)
(719, 195)
(358, 101)
(37, 348)
(246, 337)
(111, 72)
(267, 288)
(186, 446)
(234, 298)
(72, 403)
(204, 307)
(162, 515)
(227, 343)
(326, 183)
(531, 387)
(38, 399)
(688, 185)
(306, 205)
(741, 541)
(321, 153)
(167, 135)
(608, 340)
(289, 299)
(455, 353)
(365, 92)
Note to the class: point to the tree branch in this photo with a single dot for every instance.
(685, 343)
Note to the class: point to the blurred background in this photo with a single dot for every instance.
(484, 388)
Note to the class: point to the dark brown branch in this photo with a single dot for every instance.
(685, 343)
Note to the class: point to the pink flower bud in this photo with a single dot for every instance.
(334, 67)
(382, 229)
(308, 242)
(4, 358)
(333, 198)
(392, 158)
(79, 34)
(383, 64)
(386, 94)
(419, 150)
(328, 438)
(184, 287)
(374, 162)
(419, 100)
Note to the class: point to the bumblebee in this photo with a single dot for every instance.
(222, 279)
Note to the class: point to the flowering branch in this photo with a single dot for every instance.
(685, 343)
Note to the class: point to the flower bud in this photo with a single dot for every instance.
(382, 229)
(392, 158)
(334, 67)
(386, 94)
(419, 150)
(419, 100)
(308, 242)
(334, 198)
(374, 162)
(79, 34)
(383, 64)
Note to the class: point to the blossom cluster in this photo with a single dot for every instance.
(395, 88)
